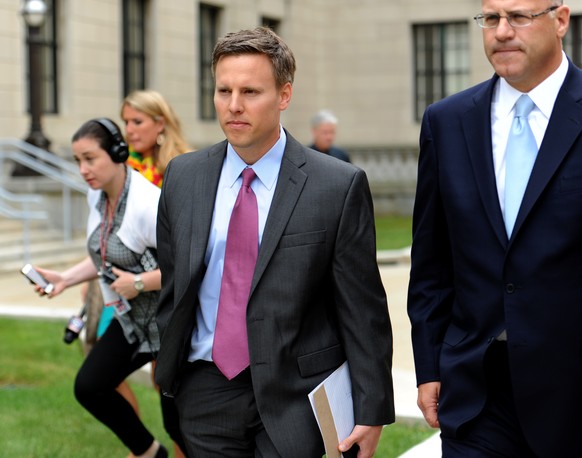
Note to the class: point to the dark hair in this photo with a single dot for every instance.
(94, 130)
(261, 40)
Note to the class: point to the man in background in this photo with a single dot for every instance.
(323, 130)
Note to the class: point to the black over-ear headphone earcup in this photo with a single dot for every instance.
(119, 151)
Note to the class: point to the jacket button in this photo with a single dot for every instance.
(510, 288)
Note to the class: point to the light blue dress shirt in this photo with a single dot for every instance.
(267, 171)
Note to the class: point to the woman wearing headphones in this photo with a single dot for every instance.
(121, 237)
(154, 134)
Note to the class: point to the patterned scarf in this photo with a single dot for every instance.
(145, 166)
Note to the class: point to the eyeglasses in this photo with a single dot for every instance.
(517, 19)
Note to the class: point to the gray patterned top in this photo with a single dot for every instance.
(140, 322)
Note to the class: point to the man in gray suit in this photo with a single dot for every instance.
(315, 295)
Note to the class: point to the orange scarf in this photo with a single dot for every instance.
(145, 166)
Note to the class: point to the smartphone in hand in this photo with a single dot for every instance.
(36, 278)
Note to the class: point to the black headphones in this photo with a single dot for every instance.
(119, 151)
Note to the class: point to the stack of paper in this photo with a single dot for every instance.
(333, 407)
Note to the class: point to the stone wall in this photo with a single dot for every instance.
(391, 172)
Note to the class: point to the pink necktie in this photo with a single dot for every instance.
(230, 350)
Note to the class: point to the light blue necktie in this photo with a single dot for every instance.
(520, 156)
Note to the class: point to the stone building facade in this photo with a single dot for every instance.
(375, 63)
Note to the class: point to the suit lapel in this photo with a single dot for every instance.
(477, 124)
(202, 204)
(289, 186)
(563, 129)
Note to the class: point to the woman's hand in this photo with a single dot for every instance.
(124, 283)
(83, 271)
(54, 277)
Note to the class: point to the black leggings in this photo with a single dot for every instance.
(111, 361)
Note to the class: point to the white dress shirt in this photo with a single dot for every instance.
(502, 112)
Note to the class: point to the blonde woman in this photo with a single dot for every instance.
(153, 132)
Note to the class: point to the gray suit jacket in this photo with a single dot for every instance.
(316, 297)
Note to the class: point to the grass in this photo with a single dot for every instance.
(393, 232)
(40, 417)
(401, 436)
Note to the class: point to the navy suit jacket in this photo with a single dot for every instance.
(469, 282)
(316, 297)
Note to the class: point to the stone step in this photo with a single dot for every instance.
(15, 238)
(46, 247)
(11, 225)
(399, 256)
(59, 260)
(42, 248)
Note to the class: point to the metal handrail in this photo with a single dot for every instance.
(48, 165)
(26, 215)
(43, 162)
(24, 200)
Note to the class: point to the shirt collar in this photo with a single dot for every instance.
(544, 95)
(266, 168)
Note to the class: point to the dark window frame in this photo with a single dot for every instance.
(134, 45)
(208, 27)
(433, 72)
(573, 40)
(271, 23)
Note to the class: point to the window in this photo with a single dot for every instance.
(271, 23)
(134, 55)
(573, 40)
(48, 53)
(441, 62)
(208, 28)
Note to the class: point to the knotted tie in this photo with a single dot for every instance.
(230, 350)
(520, 156)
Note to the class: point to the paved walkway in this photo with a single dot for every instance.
(17, 298)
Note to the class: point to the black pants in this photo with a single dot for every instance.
(111, 361)
(496, 431)
(218, 417)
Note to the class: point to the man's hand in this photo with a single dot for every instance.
(367, 438)
(428, 401)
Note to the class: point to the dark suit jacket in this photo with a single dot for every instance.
(316, 296)
(336, 152)
(469, 282)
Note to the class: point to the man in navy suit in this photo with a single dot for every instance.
(316, 298)
(497, 316)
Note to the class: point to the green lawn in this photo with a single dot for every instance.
(40, 417)
(393, 232)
